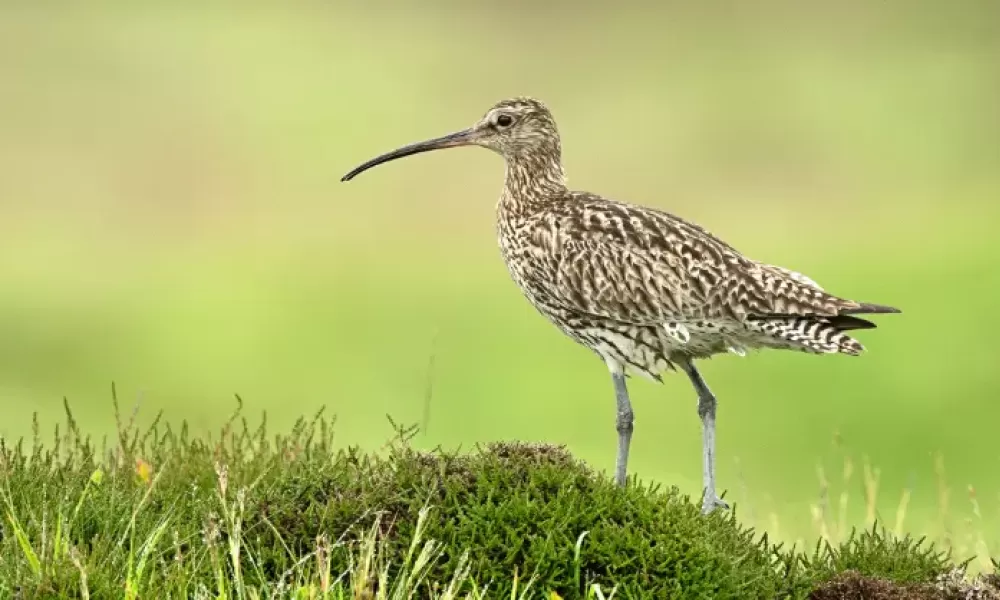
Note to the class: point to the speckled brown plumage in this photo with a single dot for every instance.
(629, 281)
(645, 290)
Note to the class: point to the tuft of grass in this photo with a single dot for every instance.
(246, 514)
(961, 535)
(877, 552)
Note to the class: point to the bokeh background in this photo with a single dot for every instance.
(171, 219)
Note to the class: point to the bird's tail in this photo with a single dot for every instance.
(867, 308)
(816, 335)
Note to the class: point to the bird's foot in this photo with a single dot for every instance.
(713, 502)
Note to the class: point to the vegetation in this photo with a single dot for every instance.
(246, 514)
(172, 219)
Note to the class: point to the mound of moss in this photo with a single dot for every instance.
(254, 508)
(524, 508)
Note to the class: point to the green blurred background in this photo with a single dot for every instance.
(171, 219)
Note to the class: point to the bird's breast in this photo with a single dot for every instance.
(530, 259)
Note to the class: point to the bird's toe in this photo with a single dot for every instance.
(709, 505)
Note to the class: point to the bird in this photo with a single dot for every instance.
(647, 291)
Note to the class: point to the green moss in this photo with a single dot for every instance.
(518, 511)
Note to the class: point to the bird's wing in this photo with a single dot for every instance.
(644, 266)
(782, 271)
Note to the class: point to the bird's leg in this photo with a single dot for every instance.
(706, 410)
(624, 426)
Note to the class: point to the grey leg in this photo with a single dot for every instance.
(624, 426)
(706, 410)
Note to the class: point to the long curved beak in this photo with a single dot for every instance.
(459, 138)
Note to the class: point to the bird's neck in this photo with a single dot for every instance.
(532, 180)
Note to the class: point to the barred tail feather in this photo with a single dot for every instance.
(817, 335)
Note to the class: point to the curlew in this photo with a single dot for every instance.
(645, 290)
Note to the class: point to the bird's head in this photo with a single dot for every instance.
(518, 128)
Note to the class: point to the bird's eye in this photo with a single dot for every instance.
(505, 120)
